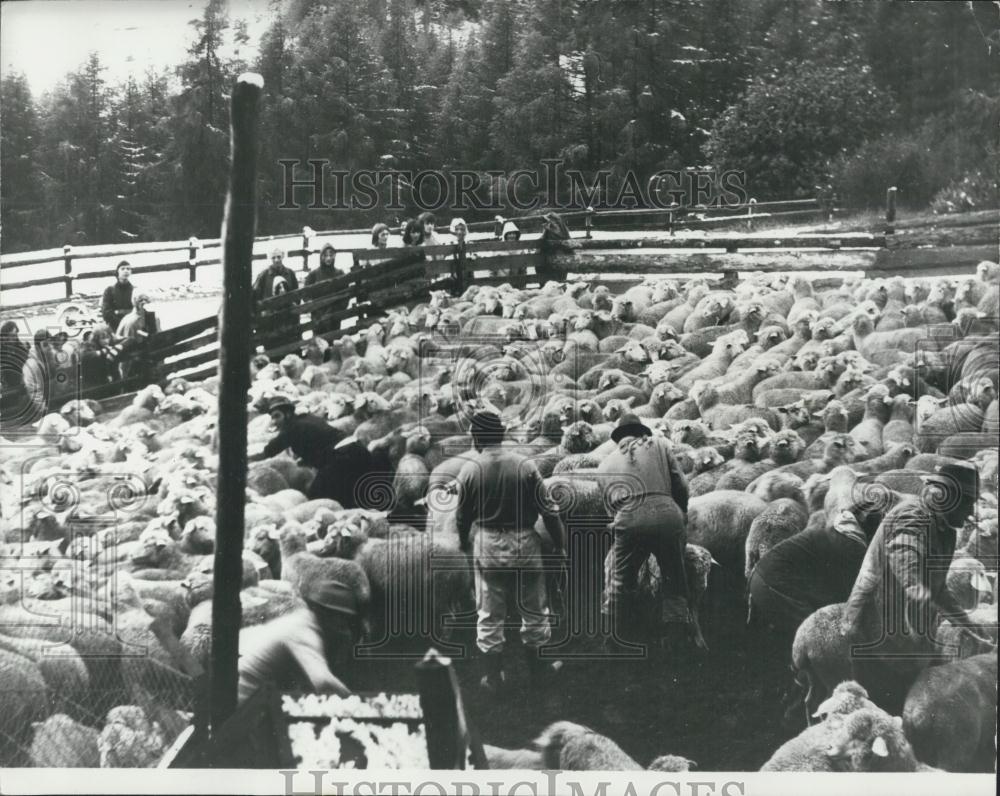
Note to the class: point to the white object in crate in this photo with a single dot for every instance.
(395, 746)
(397, 706)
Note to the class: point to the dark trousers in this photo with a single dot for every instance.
(656, 528)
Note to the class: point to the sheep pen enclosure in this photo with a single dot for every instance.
(109, 488)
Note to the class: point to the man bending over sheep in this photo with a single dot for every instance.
(295, 650)
(647, 485)
(501, 495)
(344, 467)
(900, 595)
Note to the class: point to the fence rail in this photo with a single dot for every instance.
(669, 219)
(386, 278)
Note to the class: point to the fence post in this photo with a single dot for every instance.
(589, 221)
(192, 257)
(307, 233)
(750, 215)
(670, 223)
(439, 701)
(890, 210)
(459, 286)
(68, 269)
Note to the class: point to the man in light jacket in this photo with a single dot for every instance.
(900, 595)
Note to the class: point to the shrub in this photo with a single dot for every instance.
(786, 129)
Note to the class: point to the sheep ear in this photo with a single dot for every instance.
(833, 751)
(879, 748)
(825, 707)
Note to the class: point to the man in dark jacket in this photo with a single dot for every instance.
(116, 302)
(900, 596)
(321, 320)
(345, 469)
(803, 573)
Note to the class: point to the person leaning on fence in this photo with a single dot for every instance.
(501, 494)
(459, 230)
(380, 236)
(16, 407)
(38, 372)
(554, 228)
(98, 358)
(135, 332)
(650, 495)
(294, 651)
(426, 222)
(322, 322)
(276, 279)
(116, 302)
(412, 233)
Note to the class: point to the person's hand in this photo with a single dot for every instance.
(971, 632)
(919, 595)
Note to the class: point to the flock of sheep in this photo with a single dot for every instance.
(783, 403)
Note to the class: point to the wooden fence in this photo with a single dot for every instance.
(385, 278)
(667, 220)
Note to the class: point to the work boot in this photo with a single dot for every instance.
(540, 669)
(493, 679)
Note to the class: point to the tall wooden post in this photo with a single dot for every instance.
(589, 222)
(68, 269)
(235, 336)
(440, 703)
(890, 210)
(750, 207)
(459, 285)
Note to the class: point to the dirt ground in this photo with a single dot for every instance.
(719, 708)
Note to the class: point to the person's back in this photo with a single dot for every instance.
(501, 489)
(645, 466)
(817, 566)
(310, 438)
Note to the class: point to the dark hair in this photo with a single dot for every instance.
(376, 231)
(9, 328)
(424, 217)
(41, 336)
(122, 264)
(413, 228)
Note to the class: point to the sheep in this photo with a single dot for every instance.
(572, 747)
(774, 485)
(720, 522)
(299, 566)
(514, 759)
(871, 740)
(407, 572)
(23, 700)
(61, 742)
(131, 739)
(950, 714)
(724, 351)
(697, 565)
(820, 654)
(781, 519)
(719, 415)
(868, 433)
